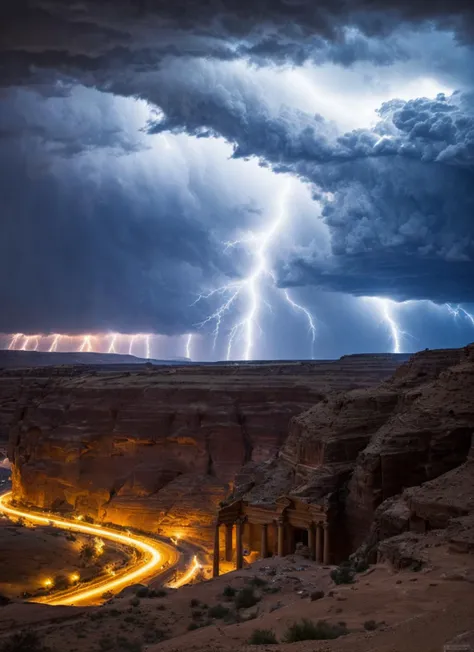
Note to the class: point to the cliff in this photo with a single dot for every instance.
(354, 450)
(156, 447)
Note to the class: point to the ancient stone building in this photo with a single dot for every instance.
(272, 530)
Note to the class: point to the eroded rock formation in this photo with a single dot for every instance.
(159, 448)
(355, 450)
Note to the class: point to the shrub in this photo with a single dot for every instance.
(142, 592)
(194, 603)
(25, 641)
(316, 595)
(192, 626)
(228, 592)
(87, 552)
(218, 611)
(246, 598)
(262, 637)
(370, 625)
(197, 613)
(135, 601)
(257, 581)
(361, 566)
(343, 574)
(306, 630)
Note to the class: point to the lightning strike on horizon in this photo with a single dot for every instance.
(37, 341)
(55, 342)
(250, 287)
(189, 339)
(14, 340)
(147, 346)
(25, 343)
(113, 339)
(131, 343)
(384, 308)
(86, 344)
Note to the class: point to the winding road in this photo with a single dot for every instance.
(153, 556)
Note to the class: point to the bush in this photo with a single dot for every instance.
(246, 598)
(361, 566)
(196, 614)
(87, 552)
(228, 592)
(142, 592)
(258, 581)
(135, 602)
(25, 641)
(343, 574)
(306, 630)
(370, 625)
(160, 593)
(218, 611)
(192, 626)
(194, 603)
(262, 637)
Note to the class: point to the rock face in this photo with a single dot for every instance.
(158, 448)
(354, 450)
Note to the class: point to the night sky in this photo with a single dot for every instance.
(275, 178)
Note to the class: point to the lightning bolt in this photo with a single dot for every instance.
(309, 317)
(249, 288)
(385, 307)
(55, 342)
(113, 339)
(86, 344)
(459, 311)
(14, 341)
(131, 343)
(189, 340)
(25, 343)
(37, 341)
(147, 346)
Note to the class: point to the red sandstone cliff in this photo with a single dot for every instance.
(354, 450)
(159, 448)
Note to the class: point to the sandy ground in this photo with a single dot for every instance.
(413, 611)
(29, 556)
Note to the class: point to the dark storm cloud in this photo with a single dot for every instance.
(89, 38)
(130, 259)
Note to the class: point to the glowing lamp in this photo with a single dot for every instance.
(75, 577)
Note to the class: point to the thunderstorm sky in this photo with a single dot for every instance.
(234, 179)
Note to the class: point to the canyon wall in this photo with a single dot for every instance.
(158, 448)
(354, 450)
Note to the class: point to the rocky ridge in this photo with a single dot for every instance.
(159, 447)
(356, 450)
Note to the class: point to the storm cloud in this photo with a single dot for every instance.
(137, 138)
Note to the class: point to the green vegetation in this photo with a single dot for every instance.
(246, 598)
(262, 637)
(343, 574)
(307, 630)
(192, 626)
(218, 611)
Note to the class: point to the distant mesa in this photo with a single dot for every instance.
(19, 359)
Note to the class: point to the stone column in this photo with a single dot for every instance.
(215, 559)
(311, 542)
(228, 541)
(281, 538)
(238, 544)
(319, 543)
(264, 542)
(326, 551)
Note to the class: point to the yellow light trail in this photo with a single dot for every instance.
(188, 575)
(148, 566)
